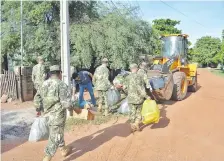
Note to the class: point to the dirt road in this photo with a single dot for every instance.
(190, 130)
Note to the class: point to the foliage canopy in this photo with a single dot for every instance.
(206, 50)
(117, 34)
(166, 26)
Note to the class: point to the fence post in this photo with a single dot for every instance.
(27, 84)
(17, 71)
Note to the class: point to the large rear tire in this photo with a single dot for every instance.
(194, 87)
(180, 86)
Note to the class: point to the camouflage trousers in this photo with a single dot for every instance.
(135, 113)
(55, 140)
(103, 99)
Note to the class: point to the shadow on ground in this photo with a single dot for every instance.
(163, 121)
(171, 102)
(9, 145)
(97, 139)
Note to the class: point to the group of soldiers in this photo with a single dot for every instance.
(133, 88)
(53, 98)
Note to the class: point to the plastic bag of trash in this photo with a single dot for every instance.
(124, 108)
(39, 129)
(113, 96)
(124, 73)
(150, 112)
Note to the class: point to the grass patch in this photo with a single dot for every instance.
(218, 72)
(97, 121)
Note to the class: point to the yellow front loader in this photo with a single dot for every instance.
(178, 75)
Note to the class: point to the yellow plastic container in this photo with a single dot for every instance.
(150, 112)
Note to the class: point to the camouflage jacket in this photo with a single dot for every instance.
(38, 74)
(143, 74)
(136, 89)
(101, 78)
(54, 97)
(121, 80)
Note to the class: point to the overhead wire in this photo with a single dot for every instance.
(182, 13)
(118, 11)
(142, 14)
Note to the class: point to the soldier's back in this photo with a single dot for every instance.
(39, 72)
(133, 81)
(134, 88)
(51, 101)
(101, 69)
(101, 76)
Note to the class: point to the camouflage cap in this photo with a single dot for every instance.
(104, 60)
(55, 68)
(132, 66)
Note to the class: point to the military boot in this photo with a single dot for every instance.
(47, 158)
(135, 127)
(65, 151)
(138, 126)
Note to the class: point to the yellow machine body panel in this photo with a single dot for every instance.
(173, 65)
(190, 69)
(193, 69)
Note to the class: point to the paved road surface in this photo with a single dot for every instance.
(190, 130)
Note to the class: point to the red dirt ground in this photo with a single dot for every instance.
(190, 130)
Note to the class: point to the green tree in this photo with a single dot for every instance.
(220, 56)
(117, 34)
(41, 27)
(166, 26)
(222, 35)
(206, 50)
(118, 37)
(190, 54)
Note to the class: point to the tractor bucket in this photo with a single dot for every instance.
(162, 84)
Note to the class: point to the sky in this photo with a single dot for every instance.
(201, 18)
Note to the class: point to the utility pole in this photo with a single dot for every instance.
(21, 30)
(65, 46)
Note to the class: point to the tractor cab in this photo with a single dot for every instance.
(173, 53)
(174, 45)
(175, 74)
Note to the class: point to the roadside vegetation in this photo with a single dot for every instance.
(218, 72)
(71, 122)
(97, 29)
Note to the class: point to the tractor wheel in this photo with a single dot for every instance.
(194, 87)
(180, 86)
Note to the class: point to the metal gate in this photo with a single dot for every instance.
(9, 85)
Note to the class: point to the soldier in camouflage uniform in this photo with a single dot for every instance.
(136, 96)
(143, 72)
(38, 73)
(102, 84)
(119, 83)
(54, 97)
